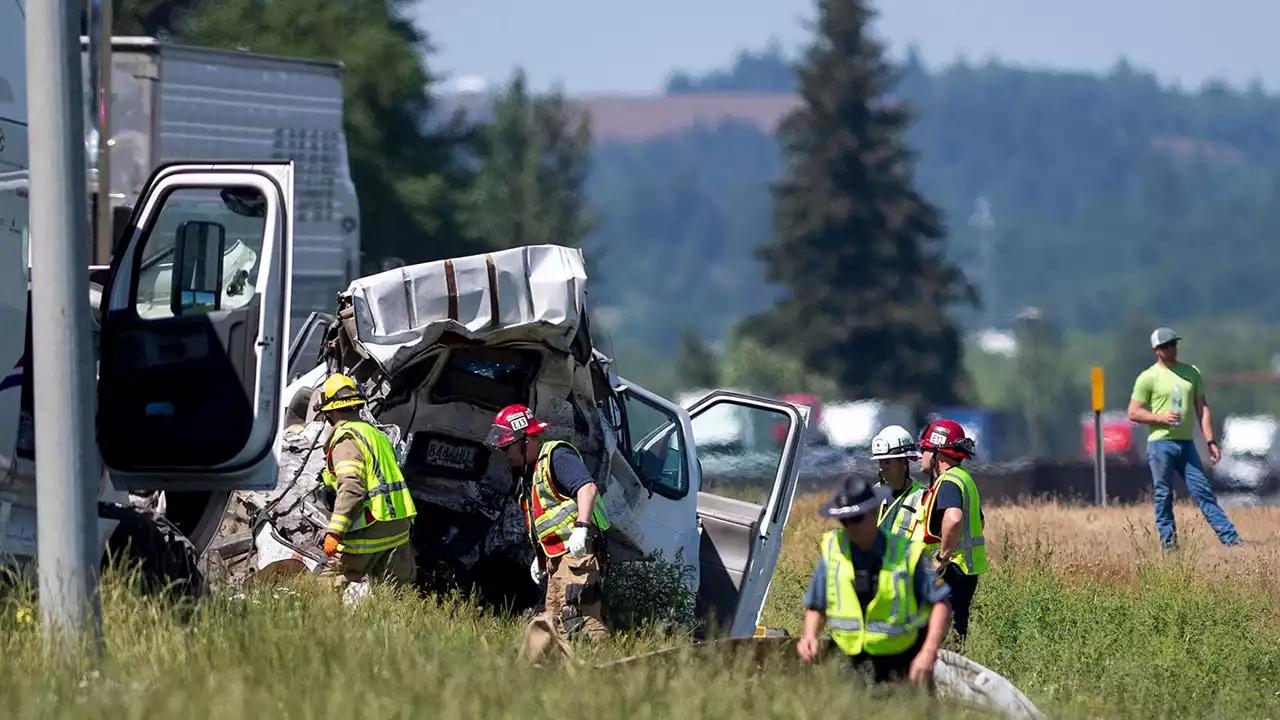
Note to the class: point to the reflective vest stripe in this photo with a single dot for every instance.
(880, 628)
(340, 523)
(368, 546)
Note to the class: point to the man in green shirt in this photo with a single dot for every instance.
(1173, 393)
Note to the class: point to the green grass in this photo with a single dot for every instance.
(1167, 647)
(1169, 644)
(298, 653)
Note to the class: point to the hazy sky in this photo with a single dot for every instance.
(608, 46)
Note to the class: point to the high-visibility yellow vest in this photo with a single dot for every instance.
(900, 515)
(893, 618)
(970, 555)
(386, 497)
(550, 515)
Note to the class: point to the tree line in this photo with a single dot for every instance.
(1107, 194)
(843, 253)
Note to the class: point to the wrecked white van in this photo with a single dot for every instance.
(439, 348)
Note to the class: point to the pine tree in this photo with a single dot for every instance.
(536, 155)
(855, 244)
(697, 366)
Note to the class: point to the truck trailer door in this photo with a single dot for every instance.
(194, 330)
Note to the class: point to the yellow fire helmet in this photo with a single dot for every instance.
(339, 391)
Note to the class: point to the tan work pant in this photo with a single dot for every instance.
(398, 565)
(574, 595)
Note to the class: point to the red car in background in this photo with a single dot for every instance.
(814, 403)
(1118, 439)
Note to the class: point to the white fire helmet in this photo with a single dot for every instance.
(894, 442)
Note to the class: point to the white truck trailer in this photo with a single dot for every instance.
(174, 103)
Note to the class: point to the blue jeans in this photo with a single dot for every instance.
(1167, 457)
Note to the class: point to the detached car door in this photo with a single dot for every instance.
(194, 330)
(747, 452)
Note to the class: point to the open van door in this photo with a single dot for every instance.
(748, 474)
(194, 330)
(721, 479)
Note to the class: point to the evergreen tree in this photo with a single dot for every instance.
(697, 365)
(156, 18)
(855, 244)
(536, 156)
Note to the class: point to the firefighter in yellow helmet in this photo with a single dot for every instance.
(368, 531)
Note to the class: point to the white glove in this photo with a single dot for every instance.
(536, 572)
(578, 542)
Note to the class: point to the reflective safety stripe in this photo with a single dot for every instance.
(881, 628)
(362, 546)
(339, 523)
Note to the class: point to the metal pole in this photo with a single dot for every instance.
(103, 112)
(1102, 472)
(1099, 461)
(66, 463)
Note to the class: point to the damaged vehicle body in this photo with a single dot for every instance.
(439, 348)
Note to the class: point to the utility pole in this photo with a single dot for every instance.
(100, 21)
(984, 223)
(67, 467)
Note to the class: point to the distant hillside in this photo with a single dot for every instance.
(638, 117)
(1109, 193)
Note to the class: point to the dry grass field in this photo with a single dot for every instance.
(1109, 546)
(1084, 612)
(1080, 610)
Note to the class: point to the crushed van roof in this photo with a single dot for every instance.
(534, 294)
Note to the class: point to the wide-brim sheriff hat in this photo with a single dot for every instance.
(855, 497)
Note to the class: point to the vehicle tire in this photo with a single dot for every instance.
(165, 558)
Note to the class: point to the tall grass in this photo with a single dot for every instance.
(1085, 614)
(296, 652)
(1081, 611)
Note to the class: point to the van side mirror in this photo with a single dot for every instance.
(195, 284)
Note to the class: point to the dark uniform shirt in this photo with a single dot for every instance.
(568, 472)
(949, 496)
(930, 589)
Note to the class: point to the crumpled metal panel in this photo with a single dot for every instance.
(532, 294)
(960, 678)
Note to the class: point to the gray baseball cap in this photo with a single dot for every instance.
(1163, 335)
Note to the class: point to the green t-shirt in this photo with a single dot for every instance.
(1156, 387)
